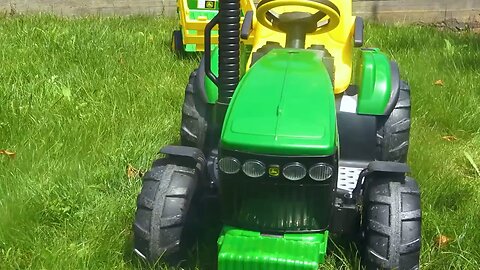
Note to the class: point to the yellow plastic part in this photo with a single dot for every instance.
(198, 24)
(337, 41)
(333, 16)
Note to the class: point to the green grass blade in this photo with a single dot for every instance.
(472, 162)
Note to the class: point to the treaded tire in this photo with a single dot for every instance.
(393, 131)
(392, 224)
(162, 209)
(177, 42)
(194, 126)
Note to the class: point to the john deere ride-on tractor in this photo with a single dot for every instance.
(292, 147)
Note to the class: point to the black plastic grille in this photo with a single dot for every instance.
(275, 204)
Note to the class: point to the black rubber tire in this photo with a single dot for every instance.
(391, 224)
(393, 132)
(193, 129)
(177, 42)
(162, 215)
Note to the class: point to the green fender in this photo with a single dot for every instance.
(210, 88)
(374, 81)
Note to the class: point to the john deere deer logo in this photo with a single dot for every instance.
(210, 4)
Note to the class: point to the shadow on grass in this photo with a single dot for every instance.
(462, 193)
(129, 257)
(133, 260)
(343, 253)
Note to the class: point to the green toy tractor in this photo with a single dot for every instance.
(291, 147)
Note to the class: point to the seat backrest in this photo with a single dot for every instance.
(338, 42)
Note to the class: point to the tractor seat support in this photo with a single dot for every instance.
(296, 25)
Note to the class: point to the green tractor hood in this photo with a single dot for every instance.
(283, 105)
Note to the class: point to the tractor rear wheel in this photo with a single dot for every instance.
(391, 224)
(393, 131)
(163, 211)
(193, 129)
(177, 42)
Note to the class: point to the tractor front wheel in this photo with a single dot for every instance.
(163, 211)
(391, 224)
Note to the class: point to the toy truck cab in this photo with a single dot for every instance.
(193, 16)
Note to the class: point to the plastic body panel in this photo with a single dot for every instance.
(374, 81)
(250, 250)
(210, 87)
(339, 41)
(358, 138)
(283, 105)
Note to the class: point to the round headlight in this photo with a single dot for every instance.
(320, 172)
(229, 165)
(294, 171)
(253, 168)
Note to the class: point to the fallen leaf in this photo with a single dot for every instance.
(8, 153)
(449, 138)
(439, 83)
(442, 241)
(132, 172)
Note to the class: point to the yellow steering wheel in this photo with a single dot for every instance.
(326, 17)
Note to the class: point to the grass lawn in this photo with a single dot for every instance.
(82, 99)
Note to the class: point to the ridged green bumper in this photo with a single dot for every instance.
(248, 250)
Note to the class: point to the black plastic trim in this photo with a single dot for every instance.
(247, 25)
(346, 217)
(358, 32)
(199, 83)
(387, 166)
(211, 140)
(237, 188)
(212, 165)
(383, 167)
(193, 153)
(208, 49)
(357, 134)
(262, 51)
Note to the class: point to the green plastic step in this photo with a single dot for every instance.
(249, 250)
(195, 13)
